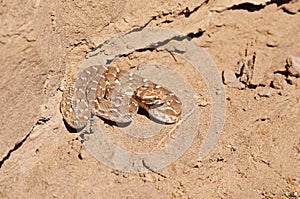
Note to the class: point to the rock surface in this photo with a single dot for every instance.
(43, 42)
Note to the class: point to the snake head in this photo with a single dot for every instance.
(162, 104)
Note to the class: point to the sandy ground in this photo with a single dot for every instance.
(258, 152)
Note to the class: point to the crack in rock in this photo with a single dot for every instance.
(249, 5)
(187, 12)
(40, 121)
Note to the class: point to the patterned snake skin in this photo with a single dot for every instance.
(115, 95)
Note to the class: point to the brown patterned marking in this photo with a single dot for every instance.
(114, 94)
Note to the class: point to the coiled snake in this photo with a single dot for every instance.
(115, 95)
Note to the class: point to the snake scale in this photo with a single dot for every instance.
(115, 95)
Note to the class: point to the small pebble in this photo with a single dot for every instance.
(279, 81)
(230, 79)
(266, 92)
(293, 66)
(229, 76)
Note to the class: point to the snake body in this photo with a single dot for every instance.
(115, 95)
